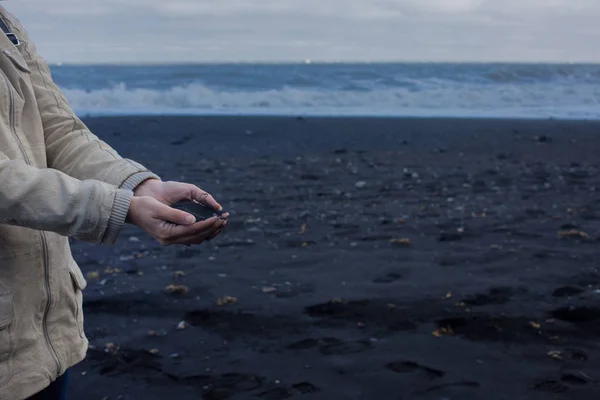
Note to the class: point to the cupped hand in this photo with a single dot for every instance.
(170, 226)
(172, 192)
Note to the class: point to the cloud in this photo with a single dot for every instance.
(60, 7)
(354, 9)
(351, 9)
(236, 30)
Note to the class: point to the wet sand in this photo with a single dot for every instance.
(364, 259)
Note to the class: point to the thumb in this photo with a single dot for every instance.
(205, 198)
(169, 214)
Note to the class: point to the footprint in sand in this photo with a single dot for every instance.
(428, 374)
(368, 312)
(484, 327)
(463, 384)
(224, 386)
(551, 386)
(332, 346)
(496, 295)
(567, 291)
(575, 379)
(285, 393)
(181, 141)
(586, 319)
(411, 367)
(388, 278)
(577, 355)
(566, 383)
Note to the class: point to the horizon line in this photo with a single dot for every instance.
(312, 62)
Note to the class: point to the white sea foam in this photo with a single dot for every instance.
(577, 100)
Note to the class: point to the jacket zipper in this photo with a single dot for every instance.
(42, 235)
(48, 303)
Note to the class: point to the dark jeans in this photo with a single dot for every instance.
(56, 391)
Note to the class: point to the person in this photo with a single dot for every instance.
(60, 181)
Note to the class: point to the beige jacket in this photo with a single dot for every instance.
(56, 180)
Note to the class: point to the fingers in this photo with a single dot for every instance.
(171, 226)
(218, 232)
(177, 191)
(176, 231)
(196, 233)
(166, 213)
(204, 198)
(179, 234)
(204, 236)
(208, 225)
(169, 234)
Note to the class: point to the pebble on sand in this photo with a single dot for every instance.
(177, 289)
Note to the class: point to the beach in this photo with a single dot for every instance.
(365, 258)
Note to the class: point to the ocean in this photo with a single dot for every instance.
(561, 91)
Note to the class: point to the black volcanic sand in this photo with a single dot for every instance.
(364, 259)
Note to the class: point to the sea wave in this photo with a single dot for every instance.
(430, 97)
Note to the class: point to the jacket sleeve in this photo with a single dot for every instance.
(70, 146)
(49, 200)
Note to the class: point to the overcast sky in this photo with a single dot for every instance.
(322, 30)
